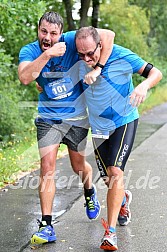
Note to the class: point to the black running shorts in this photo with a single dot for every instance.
(115, 150)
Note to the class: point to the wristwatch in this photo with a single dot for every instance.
(99, 65)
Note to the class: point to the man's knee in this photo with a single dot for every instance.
(48, 167)
(115, 176)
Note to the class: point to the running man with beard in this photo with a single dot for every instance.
(62, 115)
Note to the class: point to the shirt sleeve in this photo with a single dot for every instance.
(69, 38)
(28, 53)
(135, 61)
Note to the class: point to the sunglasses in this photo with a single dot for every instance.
(89, 54)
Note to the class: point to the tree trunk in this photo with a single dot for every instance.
(95, 13)
(70, 21)
(85, 4)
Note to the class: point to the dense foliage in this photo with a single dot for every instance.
(137, 25)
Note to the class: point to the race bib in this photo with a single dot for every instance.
(59, 88)
(100, 134)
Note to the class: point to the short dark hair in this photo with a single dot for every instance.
(84, 32)
(52, 17)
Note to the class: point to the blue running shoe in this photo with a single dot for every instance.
(92, 205)
(45, 234)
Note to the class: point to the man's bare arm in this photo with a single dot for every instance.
(140, 92)
(107, 39)
(29, 71)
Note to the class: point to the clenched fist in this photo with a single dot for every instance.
(57, 50)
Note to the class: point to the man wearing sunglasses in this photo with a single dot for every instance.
(89, 54)
(62, 115)
(112, 104)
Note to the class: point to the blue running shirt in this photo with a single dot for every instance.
(61, 98)
(108, 98)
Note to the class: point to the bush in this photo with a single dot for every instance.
(13, 118)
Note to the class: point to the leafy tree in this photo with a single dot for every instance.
(85, 5)
(18, 23)
(157, 14)
(95, 13)
(128, 22)
(70, 20)
(16, 29)
(12, 117)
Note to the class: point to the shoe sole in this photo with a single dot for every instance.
(107, 246)
(36, 240)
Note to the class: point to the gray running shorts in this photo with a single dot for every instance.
(56, 132)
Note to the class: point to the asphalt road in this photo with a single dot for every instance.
(145, 176)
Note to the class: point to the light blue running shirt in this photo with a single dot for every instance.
(62, 97)
(108, 98)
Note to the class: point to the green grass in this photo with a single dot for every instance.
(155, 97)
(14, 155)
(17, 157)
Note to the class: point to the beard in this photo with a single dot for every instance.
(44, 44)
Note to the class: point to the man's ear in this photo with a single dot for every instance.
(100, 44)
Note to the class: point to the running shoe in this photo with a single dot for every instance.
(92, 205)
(45, 234)
(109, 240)
(124, 216)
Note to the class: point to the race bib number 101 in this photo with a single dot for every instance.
(58, 89)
